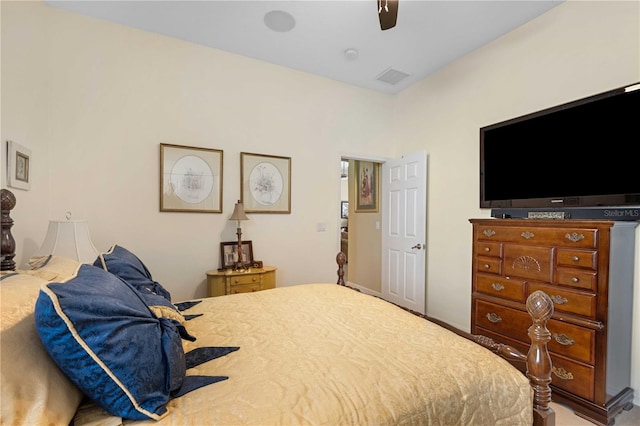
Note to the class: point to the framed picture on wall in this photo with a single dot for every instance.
(18, 166)
(190, 179)
(265, 183)
(344, 209)
(367, 187)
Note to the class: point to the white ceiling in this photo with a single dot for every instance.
(428, 34)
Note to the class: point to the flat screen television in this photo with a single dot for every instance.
(584, 153)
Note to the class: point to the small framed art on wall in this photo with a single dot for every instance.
(18, 166)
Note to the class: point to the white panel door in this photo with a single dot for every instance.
(404, 215)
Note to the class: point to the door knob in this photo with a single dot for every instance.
(417, 246)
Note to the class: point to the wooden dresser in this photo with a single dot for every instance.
(586, 267)
(229, 281)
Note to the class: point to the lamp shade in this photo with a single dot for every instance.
(69, 238)
(238, 212)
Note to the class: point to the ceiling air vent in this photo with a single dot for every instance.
(392, 76)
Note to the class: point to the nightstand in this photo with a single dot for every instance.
(229, 281)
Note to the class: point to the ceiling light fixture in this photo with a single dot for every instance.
(279, 21)
(351, 54)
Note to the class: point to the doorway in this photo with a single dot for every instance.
(344, 212)
(369, 265)
(362, 237)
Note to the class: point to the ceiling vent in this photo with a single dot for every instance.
(392, 76)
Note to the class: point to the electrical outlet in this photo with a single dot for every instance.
(322, 227)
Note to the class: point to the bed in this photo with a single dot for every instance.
(104, 344)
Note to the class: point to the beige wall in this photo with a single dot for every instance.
(94, 100)
(574, 50)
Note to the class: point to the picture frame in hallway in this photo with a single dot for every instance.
(265, 183)
(344, 209)
(18, 166)
(190, 179)
(367, 186)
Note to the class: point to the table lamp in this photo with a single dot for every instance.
(239, 215)
(69, 238)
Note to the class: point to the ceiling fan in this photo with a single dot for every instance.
(387, 13)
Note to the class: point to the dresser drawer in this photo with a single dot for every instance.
(244, 279)
(566, 237)
(572, 341)
(566, 300)
(244, 288)
(566, 339)
(578, 258)
(489, 265)
(487, 248)
(503, 320)
(573, 376)
(528, 262)
(566, 374)
(512, 289)
(576, 278)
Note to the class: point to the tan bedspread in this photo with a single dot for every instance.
(323, 354)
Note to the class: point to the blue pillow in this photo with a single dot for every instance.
(127, 266)
(104, 336)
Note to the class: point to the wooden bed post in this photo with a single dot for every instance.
(341, 259)
(7, 242)
(540, 308)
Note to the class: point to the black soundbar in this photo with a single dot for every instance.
(631, 213)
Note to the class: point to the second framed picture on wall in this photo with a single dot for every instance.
(265, 183)
(367, 187)
(190, 179)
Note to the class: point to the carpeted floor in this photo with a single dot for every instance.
(566, 417)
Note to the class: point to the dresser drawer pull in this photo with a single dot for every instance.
(526, 235)
(574, 237)
(559, 300)
(575, 258)
(487, 266)
(562, 373)
(489, 232)
(563, 339)
(575, 280)
(487, 249)
(494, 318)
(497, 286)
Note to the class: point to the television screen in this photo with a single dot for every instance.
(581, 154)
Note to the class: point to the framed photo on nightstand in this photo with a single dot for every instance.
(229, 253)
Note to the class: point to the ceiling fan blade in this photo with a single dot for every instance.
(387, 13)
